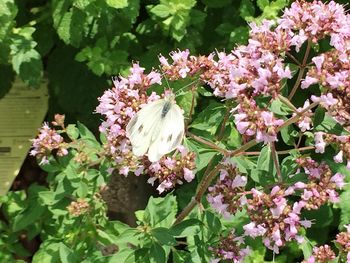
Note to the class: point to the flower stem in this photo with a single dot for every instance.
(275, 161)
(301, 71)
(223, 125)
(208, 143)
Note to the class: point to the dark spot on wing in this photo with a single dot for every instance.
(166, 109)
(140, 128)
(177, 140)
(170, 137)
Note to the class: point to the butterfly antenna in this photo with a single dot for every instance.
(166, 79)
(189, 84)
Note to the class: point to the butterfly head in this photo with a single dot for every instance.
(169, 95)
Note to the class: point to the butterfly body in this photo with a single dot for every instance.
(156, 129)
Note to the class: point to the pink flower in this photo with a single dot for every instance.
(338, 179)
(308, 81)
(169, 162)
(339, 157)
(318, 61)
(188, 174)
(305, 223)
(124, 171)
(325, 100)
(139, 170)
(276, 236)
(254, 230)
(164, 186)
(239, 181)
(319, 142)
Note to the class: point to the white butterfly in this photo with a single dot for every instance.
(157, 129)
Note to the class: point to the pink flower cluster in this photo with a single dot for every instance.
(47, 141)
(325, 254)
(118, 105)
(332, 71)
(223, 196)
(170, 171)
(341, 142)
(251, 120)
(321, 185)
(321, 254)
(230, 249)
(247, 71)
(273, 218)
(315, 20)
(343, 242)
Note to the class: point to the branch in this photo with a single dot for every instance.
(275, 161)
(208, 143)
(223, 125)
(301, 71)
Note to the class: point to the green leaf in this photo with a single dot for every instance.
(345, 208)
(185, 101)
(329, 125)
(117, 3)
(239, 35)
(306, 247)
(160, 10)
(246, 9)
(289, 134)
(210, 118)
(72, 131)
(82, 190)
(187, 227)
(265, 161)
(161, 212)
(66, 254)
(164, 236)
(180, 256)
(28, 216)
(280, 108)
(26, 61)
(213, 223)
(157, 254)
(262, 3)
(319, 116)
(48, 252)
(70, 27)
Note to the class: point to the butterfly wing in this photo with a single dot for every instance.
(168, 135)
(141, 128)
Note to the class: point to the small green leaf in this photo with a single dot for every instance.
(319, 116)
(72, 131)
(280, 108)
(82, 190)
(246, 9)
(161, 212)
(66, 254)
(117, 3)
(265, 161)
(164, 236)
(157, 254)
(160, 10)
(289, 134)
(186, 228)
